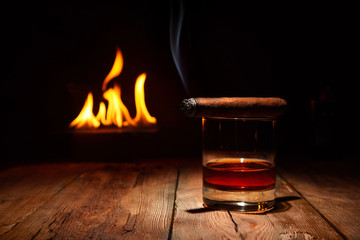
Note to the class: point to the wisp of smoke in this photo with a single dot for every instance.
(176, 22)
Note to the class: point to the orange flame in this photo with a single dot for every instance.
(86, 117)
(116, 68)
(143, 116)
(116, 112)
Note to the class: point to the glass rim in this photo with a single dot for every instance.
(242, 118)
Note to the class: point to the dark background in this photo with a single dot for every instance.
(53, 56)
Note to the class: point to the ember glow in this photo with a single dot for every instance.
(116, 113)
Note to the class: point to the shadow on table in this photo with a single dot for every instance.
(281, 205)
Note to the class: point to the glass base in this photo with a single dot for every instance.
(242, 201)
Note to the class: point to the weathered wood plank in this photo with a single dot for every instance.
(24, 189)
(150, 205)
(293, 218)
(108, 202)
(332, 187)
(117, 201)
(191, 221)
(296, 219)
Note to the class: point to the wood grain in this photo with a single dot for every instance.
(108, 202)
(332, 187)
(293, 218)
(296, 219)
(191, 220)
(24, 189)
(162, 200)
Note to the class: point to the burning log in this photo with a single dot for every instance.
(234, 107)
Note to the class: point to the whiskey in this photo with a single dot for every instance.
(239, 174)
(238, 161)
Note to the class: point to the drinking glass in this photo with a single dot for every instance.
(239, 163)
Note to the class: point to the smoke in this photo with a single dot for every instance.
(176, 22)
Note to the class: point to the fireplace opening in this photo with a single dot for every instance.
(56, 56)
(115, 114)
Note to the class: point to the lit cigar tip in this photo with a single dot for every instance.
(188, 107)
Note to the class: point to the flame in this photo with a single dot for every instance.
(86, 117)
(116, 112)
(116, 68)
(143, 116)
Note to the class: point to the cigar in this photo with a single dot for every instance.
(234, 107)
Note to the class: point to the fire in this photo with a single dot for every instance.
(86, 117)
(116, 112)
(142, 117)
(115, 70)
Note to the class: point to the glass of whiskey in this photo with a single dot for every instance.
(239, 163)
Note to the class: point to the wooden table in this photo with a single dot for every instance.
(162, 200)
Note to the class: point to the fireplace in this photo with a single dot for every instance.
(115, 114)
(60, 55)
(56, 56)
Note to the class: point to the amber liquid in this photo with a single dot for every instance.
(239, 174)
